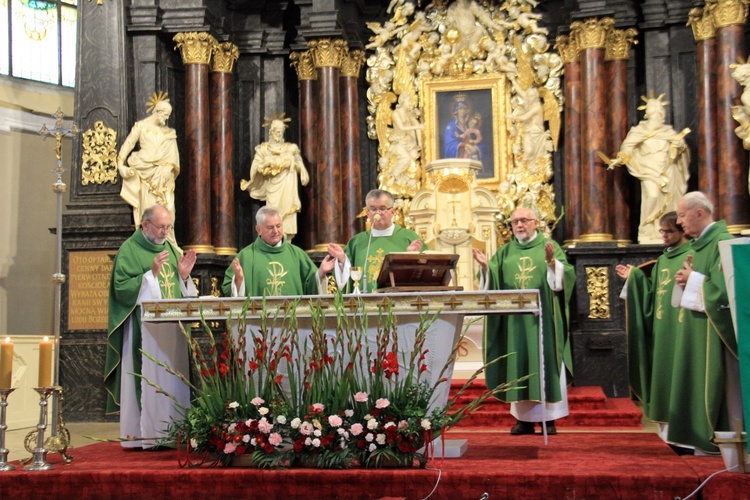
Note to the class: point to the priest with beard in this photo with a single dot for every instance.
(368, 249)
(529, 261)
(147, 267)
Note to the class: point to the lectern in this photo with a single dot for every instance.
(418, 272)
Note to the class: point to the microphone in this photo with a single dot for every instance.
(367, 256)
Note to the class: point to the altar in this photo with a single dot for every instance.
(408, 310)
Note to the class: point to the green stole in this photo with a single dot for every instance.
(741, 259)
(697, 404)
(274, 271)
(380, 246)
(522, 266)
(134, 258)
(651, 327)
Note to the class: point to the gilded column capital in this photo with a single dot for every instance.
(567, 46)
(702, 23)
(224, 55)
(195, 47)
(729, 12)
(618, 44)
(352, 63)
(303, 63)
(328, 53)
(591, 33)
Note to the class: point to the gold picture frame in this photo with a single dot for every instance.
(481, 94)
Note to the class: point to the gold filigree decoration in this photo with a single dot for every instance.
(618, 44)
(224, 56)
(156, 98)
(461, 41)
(568, 48)
(327, 53)
(215, 287)
(591, 33)
(99, 158)
(597, 286)
(352, 63)
(702, 23)
(195, 47)
(303, 63)
(728, 12)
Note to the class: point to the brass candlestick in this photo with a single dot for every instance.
(4, 465)
(40, 452)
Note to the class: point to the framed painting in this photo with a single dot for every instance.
(467, 118)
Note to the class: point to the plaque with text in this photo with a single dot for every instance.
(88, 288)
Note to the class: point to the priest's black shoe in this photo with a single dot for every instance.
(551, 430)
(522, 428)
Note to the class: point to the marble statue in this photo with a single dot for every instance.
(658, 156)
(275, 174)
(741, 73)
(148, 177)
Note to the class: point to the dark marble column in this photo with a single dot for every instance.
(595, 207)
(734, 199)
(350, 172)
(705, 48)
(616, 53)
(196, 50)
(222, 147)
(307, 76)
(568, 49)
(328, 55)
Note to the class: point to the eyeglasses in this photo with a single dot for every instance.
(667, 231)
(381, 210)
(162, 229)
(523, 221)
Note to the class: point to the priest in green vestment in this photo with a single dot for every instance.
(271, 266)
(368, 249)
(706, 395)
(147, 267)
(652, 322)
(530, 261)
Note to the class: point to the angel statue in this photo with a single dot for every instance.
(658, 156)
(741, 73)
(274, 172)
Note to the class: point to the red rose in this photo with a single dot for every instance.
(240, 450)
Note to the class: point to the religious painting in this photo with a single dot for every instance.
(466, 118)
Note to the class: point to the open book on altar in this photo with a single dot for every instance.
(415, 271)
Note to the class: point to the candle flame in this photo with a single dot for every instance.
(7, 340)
(46, 339)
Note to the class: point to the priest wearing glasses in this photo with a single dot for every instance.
(529, 261)
(368, 249)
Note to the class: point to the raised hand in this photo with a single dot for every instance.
(186, 263)
(549, 253)
(159, 261)
(480, 257)
(239, 274)
(337, 252)
(623, 271)
(414, 246)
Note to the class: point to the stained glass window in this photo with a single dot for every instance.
(38, 40)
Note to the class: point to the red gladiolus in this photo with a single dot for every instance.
(279, 378)
(223, 369)
(253, 365)
(212, 371)
(423, 368)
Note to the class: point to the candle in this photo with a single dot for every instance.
(6, 363)
(45, 363)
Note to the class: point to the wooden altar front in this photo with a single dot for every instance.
(407, 308)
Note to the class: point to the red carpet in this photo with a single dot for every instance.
(573, 465)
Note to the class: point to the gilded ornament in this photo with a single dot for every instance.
(591, 33)
(618, 44)
(195, 47)
(303, 63)
(352, 63)
(702, 22)
(567, 46)
(597, 285)
(224, 55)
(729, 12)
(327, 53)
(99, 158)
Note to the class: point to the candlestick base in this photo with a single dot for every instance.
(4, 465)
(40, 452)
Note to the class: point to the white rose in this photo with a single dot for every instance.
(308, 441)
(380, 439)
(372, 424)
(234, 404)
(341, 431)
(281, 419)
(369, 438)
(372, 447)
(317, 433)
(193, 443)
(349, 413)
(246, 438)
(426, 424)
(263, 410)
(316, 443)
(295, 423)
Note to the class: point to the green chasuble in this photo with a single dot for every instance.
(518, 266)
(380, 246)
(134, 258)
(651, 325)
(741, 259)
(697, 405)
(274, 271)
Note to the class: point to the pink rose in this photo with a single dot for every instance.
(360, 397)
(274, 439)
(256, 401)
(382, 403)
(318, 407)
(335, 421)
(264, 425)
(229, 448)
(357, 429)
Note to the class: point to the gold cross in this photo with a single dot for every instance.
(352, 304)
(521, 301)
(254, 307)
(223, 308)
(453, 302)
(190, 307)
(419, 304)
(486, 302)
